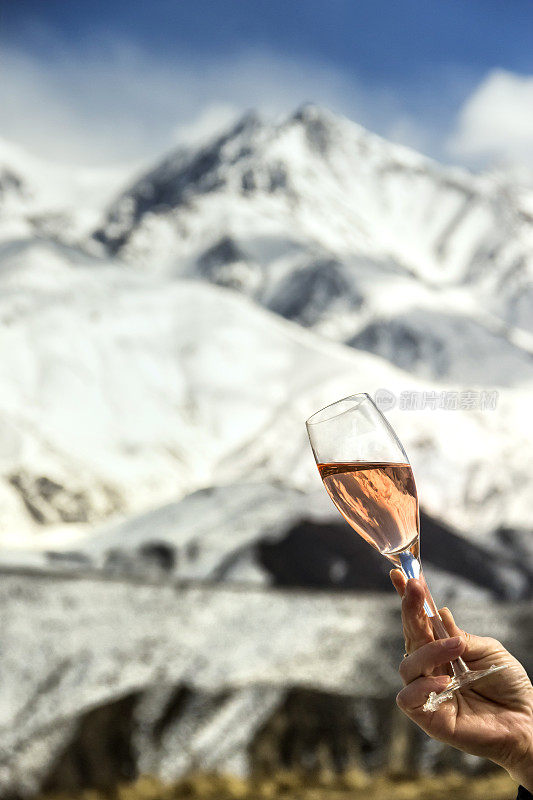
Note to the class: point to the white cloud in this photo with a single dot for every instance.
(118, 103)
(121, 104)
(495, 125)
(212, 118)
(114, 103)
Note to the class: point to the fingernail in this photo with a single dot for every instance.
(453, 643)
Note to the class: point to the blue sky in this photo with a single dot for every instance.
(111, 79)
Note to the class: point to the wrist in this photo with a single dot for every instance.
(522, 771)
(525, 779)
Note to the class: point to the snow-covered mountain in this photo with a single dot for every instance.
(338, 229)
(122, 390)
(52, 200)
(129, 379)
(269, 534)
(157, 367)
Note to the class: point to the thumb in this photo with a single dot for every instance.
(449, 622)
(476, 646)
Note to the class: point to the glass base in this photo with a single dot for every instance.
(434, 700)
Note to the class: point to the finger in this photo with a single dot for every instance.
(413, 697)
(476, 646)
(449, 622)
(398, 580)
(416, 625)
(430, 656)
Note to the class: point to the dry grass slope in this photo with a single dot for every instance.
(353, 785)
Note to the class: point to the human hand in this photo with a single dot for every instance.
(492, 718)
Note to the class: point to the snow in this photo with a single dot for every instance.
(54, 199)
(82, 644)
(142, 389)
(331, 184)
(155, 380)
(129, 379)
(406, 236)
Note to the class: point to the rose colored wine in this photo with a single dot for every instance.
(379, 501)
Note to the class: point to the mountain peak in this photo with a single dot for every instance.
(184, 172)
(190, 171)
(350, 195)
(308, 112)
(248, 122)
(320, 125)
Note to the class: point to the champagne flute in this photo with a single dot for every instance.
(368, 476)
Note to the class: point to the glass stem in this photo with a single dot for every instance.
(412, 568)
